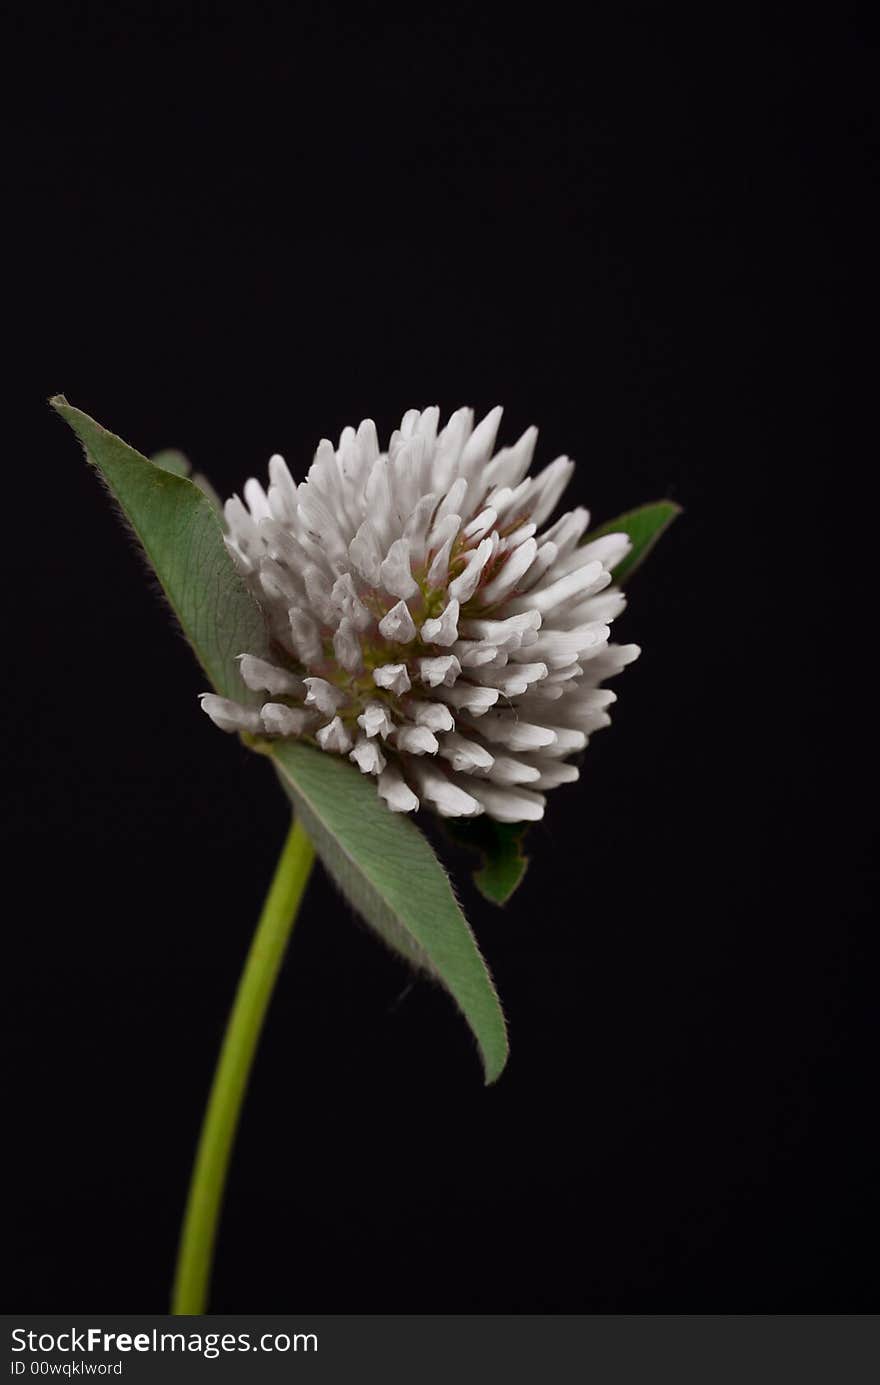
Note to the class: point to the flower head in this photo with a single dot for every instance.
(421, 621)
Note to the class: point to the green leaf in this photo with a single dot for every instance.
(645, 526)
(500, 844)
(182, 537)
(387, 870)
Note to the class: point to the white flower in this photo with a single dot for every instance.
(420, 622)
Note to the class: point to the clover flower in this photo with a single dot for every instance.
(421, 620)
(408, 610)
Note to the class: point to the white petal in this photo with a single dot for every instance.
(283, 485)
(375, 721)
(444, 629)
(545, 558)
(465, 755)
(409, 421)
(305, 636)
(473, 653)
(242, 529)
(435, 715)
(506, 770)
(392, 676)
(319, 520)
(450, 443)
(416, 528)
(443, 670)
(378, 501)
(584, 581)
(448, 798)
(504, 728)
(323, 695)
(398, 625)
(280, 720)
(278, 584)
(583, 702)
(475, 700)
(509, 466)
(261, 676)
(478, 448)
(367, 756)
(481, 525)
(556, 772)
(559, 648)
(513, 680)
(512, 571)
(607, 606)
(612, 661)
(567, 530)
(256, 499)
(368, 440)
(231, 716)
(609, 550)
(502, 632)
(365, 553)
(512, 672)
(567, 742)
(318, 588)
(466, 583)
(547, 692)
(397, 794)
(395, 573)
(347, 647)
(562, 675)
(334, 736)
(416, 740)
(547, 489)
(519, 535)
(347, 602)
(499, 661)
(450, 506)
(577, 558)
(439, 569)
(280, 543)
(427, 424)
(354, 466)
(507, 804)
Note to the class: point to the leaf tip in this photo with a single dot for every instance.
(499, 883)
(492, 1070)
(499, 847)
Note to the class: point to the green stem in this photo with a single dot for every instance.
(233, 1069)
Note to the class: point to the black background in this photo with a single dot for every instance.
(237, 230)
